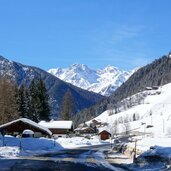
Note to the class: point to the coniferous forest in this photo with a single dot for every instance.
(30, 102)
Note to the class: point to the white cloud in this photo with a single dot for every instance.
(124, 32)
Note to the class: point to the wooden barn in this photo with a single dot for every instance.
(58, 127)
(18, 126)
(104, 134)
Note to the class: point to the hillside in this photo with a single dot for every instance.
(149, 119)
(157, 73)
(23, 74)
(104, 81)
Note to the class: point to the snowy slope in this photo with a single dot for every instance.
(152, 115)
(103, 81)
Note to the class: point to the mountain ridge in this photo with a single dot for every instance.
(23, 74)
(103, 81)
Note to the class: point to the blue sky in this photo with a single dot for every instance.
(58, 33)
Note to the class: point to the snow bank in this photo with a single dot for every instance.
(29, 146)
(15, 147)
(9, 152)
(76, 142)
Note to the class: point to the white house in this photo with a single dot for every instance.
(58, 127)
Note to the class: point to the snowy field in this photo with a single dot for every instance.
(37, 146)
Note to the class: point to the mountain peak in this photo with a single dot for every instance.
(79, 67)
(109, 69)
(103, 81)
(4, 59)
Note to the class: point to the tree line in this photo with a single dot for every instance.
(30, 102)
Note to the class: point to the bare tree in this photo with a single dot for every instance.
(8, 102)
(67, 108)
(127, 128)
(110, 109)
(113, 128)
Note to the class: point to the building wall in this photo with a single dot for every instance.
(59, 131)
(104, 135)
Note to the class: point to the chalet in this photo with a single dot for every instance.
(58, 127)
(104, 134)
(84, 130)
(18, 127)
(96, 122)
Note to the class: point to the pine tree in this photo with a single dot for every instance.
(21, 101)
(39, 106)
(27, 106)
(67, 108)
(33, 113)
(43, 100)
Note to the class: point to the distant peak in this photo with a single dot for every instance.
(79, 66)
(3, 58)
(110, 67)
(103, 81)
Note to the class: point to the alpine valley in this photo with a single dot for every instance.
(23, 74)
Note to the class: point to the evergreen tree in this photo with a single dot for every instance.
(21, 101)
(39, 107)
(33, 113)
(27, 106)
(67, 108)
(43, 99)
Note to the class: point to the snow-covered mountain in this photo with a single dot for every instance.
(103, 81)
(23, 74)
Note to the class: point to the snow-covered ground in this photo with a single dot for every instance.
(37, 146)
(149, 120)
(152, 116)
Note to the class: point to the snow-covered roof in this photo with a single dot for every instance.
(57, 124)
(30, 122)
(104, 129)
